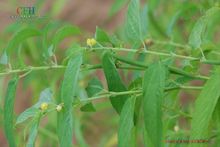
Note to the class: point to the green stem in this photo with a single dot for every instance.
(212, 62)
(130, 67)
(171, 43)
(112, 94)
(171, 69)
(147, 52)
(177, 111)
(181, 72)
(184, 87)
(129, 61)
(38, 68)
(30, 69)
(192, 87)
(159, 53)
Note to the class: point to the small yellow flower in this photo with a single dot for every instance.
(91, 42)
(44, 106)
(59, 108)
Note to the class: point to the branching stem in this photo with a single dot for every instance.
(147, 52)
(132, 92)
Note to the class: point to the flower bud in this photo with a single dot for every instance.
(44, 106)
(91, 42)
(59, 108)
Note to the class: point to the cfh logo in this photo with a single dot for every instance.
(25, 11)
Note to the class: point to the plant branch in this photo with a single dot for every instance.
(86, 67)
(178, 111)
(31, 68)
(184, 87)
(171, 43)
(148, 52)
(112, 94)
(171, 68)
(142, 50)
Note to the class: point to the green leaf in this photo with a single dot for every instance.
(65, 31)
(46, 96)
(48, 49)
(88, 108)
(133, 28)
(144, 21)
(135, 85)
(9, 111)
(30, 112)
(116, 6)
(204, 107)
(4, 59)
(114, 81)
(33, 130)
(20, 36)
(73, 50)
(94, 87)
(115, 41)
(153, 92)
(101, 36)
(126, 123)
(195, 38)
(68, 90)
(70, 80)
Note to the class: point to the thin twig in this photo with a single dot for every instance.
(171, 68)
(171, 43)
(113, 94)
(177, 111)
(25, 74)
(147, 52)
(30, 69)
